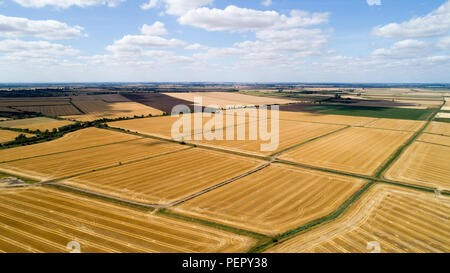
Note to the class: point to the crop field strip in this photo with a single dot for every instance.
(438, 128)
(355, 150)
(51, 110)
(167, 178)
(6, 135)
(45, 220)
(40, 123)
(68, 164)
(435, 139)
(425, 164)
(81, 139)
(400, 220)
(273, 200)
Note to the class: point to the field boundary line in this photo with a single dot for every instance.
(74, 150)
(427, 142)
(396, 155)
(114, 166)
(308, 141)
(314, 223)
(76, 107)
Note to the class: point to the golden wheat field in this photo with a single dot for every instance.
(66, 164)
(6, 135)
(423, 164)
(273, 200)
(327, 119)
(439, 128)
(355, 150)
(167, 178)
(223, 100)
(397, 219)
(397, 124)
(436, 139)
(51, 110)
(99, 109)
(46, 220)
(80, 139)
(290, 134)
(40, 123)
(36, 101)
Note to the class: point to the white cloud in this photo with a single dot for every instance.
(266, 3)
(15, 27)
(444, 43)
(196, 46)
(433, 24)
(156, 29)
(177, 7)
(28, 51)
(151, 4)
(136, 44)
(403, 50)
(66, 3)
(233, 18)
(374, 2)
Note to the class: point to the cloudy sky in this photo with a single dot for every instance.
(225, 40)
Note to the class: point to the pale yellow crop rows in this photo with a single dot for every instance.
(436, 139)
(224, 99)
(439, 128)
(167, 178)
(397, 124)
(273, 200)
(355, 150)
(46, 220)
(72, 141)
(40, 123)
(327, 119)
(6, 135)
(65, 164)
(423, 164)
(397, 219)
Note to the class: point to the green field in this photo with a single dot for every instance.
(442, 119)
(375, 112)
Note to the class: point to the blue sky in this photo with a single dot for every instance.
(225, 40)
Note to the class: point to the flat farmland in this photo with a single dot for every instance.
(327, 119)
(439, 128)
(46, 220)
(99, 109)
(399, 220)
(355, 150)
(40, 123)
(273, 200)
(65, 164)
(51, 110)
(6, 135)
(224, 99)
(291, 133)
(33, 101)
(397, 124)
(167, 178)
(80, 139)
(423, 164)
(436, 139)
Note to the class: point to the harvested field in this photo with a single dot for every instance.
(443, 115)
(355, 150)
(397, 124)
(8, 109)
(52, 110)
(291, 133)
(40, 123)
(273, 200)
(35, 101)
(6, 135)
(99, 109)
(423, 164)
(159, 101)
(439, 128)
(327, 119)
(399, 220)
(72, 141)
(168, 178)
(437, 139)
(66, 164)
(46, 220)
(224, 99)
